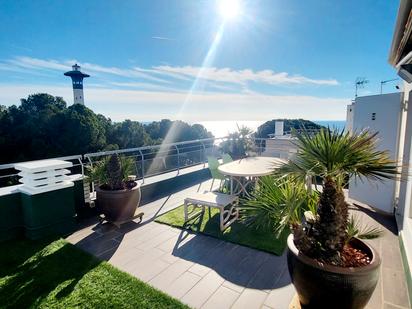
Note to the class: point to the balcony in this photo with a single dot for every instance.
(199, 270)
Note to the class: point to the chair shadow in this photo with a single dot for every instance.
(240, 265)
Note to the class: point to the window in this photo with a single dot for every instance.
(373, 116)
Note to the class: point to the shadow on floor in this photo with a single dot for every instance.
(386, 220)
(237, 264)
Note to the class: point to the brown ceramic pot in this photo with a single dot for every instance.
(330, 286)
(118, 205)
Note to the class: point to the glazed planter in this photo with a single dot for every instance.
(331, 286)
(118, 205)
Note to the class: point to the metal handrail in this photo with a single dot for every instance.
(185, 152)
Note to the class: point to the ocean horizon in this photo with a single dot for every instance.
(223, 128)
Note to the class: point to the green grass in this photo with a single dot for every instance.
(237, 233)
(56, 274)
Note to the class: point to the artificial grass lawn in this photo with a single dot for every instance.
(56, 274)
(237, 232)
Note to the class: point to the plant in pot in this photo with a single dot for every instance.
(117, 194)
(329, 266)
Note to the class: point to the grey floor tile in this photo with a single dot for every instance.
(282, 295)
(199, 270)
(391, 306)
(394, 287)
(201, 292)
(170, 274)
(182, 285)
(223, 298)
(250, 299)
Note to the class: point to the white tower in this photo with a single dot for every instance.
(77, 80)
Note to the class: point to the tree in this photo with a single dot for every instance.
(129, 134)
(268, 127)
(78, 130)
(42, 126)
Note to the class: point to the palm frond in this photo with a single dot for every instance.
(363, 231)
(333, 153)
(277, 203)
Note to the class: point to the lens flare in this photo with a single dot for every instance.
(229, 9)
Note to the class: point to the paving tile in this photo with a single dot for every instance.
(282, 295)
(250, 299)
(157, 240)
(120, 258)
(391, 255)
(394, 287)
(222, 298)
(182, 285)
(235, 287)
(269, 273)
(81, 235)
(241, 265)
(200, 293)
(391, 306)
(376, 300)
(145, 258)
(148, 271)
(98, 245)
(169, 258)
(199, 270)
(170, 274)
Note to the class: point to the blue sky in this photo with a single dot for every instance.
(275, 59)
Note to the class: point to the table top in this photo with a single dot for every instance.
(251, 166)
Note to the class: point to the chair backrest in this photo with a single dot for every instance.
(213, 164)
(226, 158)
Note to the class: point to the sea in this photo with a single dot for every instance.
(223, 128)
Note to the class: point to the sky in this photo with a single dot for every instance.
(192, 60)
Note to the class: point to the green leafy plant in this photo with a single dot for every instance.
(334, 156)
(238, 143)
(363, 231)
(277, 203)
(112, 172)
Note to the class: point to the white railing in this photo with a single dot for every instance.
(157, 159)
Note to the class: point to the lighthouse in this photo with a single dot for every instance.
(77, 80)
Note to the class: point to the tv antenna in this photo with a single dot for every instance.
(360, 82)
(383, 82)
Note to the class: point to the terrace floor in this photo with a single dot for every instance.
(205, 272)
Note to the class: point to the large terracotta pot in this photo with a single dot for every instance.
(118, 205)
(331, 286)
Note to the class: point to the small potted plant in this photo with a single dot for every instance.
(117, 193)
(329, 265)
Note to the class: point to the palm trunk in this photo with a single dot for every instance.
(330, 229)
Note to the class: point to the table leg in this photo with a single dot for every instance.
(231, 185)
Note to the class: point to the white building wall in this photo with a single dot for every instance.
(378, 113)
(350, 110)
(404, 210)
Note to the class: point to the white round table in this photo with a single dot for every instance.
(251, 168)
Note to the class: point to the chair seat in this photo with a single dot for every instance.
(211, 199)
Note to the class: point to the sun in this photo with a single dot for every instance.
(229, 9)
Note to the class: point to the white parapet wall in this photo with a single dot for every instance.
(377, 113)
(44, 176)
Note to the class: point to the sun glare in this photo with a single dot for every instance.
(229, 9)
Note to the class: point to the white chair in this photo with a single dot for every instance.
(213, 200)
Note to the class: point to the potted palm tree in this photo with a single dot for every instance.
(329, 267)
(117, 194)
